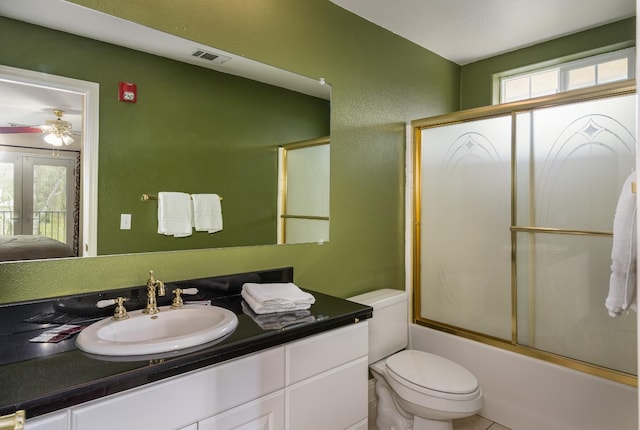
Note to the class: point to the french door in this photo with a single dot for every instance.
(37, 194)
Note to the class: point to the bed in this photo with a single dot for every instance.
(26, 247)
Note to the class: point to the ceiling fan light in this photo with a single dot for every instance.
(53, 139)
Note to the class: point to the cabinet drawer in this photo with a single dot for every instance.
(333, 400)
(54, 421)
(182, 400)
(319, 353)
(266, 413)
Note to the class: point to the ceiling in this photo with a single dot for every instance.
(465, 31)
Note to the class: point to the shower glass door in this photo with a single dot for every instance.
(572, 163)
(514, 219)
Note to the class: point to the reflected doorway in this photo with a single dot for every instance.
(38, 195)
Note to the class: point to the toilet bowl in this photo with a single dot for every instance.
(431, 388)
(415, 390)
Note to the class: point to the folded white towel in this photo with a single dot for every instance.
(622, 285)
(207, 212)
(279, 320)
(260, 308)
(174, 214)
(276, 297)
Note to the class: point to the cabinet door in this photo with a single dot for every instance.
(266, 413)
(54, 421)
(336, 399)
(184, 399)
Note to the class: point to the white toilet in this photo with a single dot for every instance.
(415, 390)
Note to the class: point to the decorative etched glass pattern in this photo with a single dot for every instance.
(569, 165)
(576, 161)
(465, 244)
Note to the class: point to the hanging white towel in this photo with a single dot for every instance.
(622, 285)
(174, 214)
(207, 212)
(276, 297)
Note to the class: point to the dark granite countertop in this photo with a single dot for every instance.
(44, 377)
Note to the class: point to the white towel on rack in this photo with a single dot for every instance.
(622, 284)
(276, 297)
(207, 212)
(174, 214)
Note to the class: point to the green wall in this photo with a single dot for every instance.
(380, 82)
(192, 130)
(476, 79)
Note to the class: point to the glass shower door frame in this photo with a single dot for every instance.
(512, 110)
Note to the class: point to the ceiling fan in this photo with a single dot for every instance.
(57, 131)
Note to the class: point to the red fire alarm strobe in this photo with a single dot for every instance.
(127, 92)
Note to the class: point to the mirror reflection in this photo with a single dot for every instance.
(191, 129)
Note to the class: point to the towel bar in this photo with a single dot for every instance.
(146, 197)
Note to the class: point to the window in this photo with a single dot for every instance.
(572, 75)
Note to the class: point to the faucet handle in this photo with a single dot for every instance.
(119, 313)
(190, 291)
(108, 302)
(177, 300)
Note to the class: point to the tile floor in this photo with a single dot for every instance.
(476, 422)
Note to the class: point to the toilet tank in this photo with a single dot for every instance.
(389, 326)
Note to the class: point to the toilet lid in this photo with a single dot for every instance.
(431, 372)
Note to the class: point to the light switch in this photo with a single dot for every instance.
(125, 221)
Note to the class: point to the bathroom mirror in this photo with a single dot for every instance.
(192, 129)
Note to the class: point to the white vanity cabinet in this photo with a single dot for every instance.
(184, 399)
(327, 377)
(266, 413)
(53, 421)
(318, 382)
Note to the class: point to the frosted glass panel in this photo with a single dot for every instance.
(562, 284)
(572, 162)
(308, 181)
(465, 238)
(569, 166)
(305, 216)
(301, 230)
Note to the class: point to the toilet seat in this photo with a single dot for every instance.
(432, 375)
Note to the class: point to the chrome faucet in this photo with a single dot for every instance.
(153, 285)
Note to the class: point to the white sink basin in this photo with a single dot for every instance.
(168, 330)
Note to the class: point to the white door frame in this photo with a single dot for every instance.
(89, 153)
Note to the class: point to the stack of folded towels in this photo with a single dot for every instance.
(278, 320)
(276, 297)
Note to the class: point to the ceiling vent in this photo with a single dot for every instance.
(210, 56)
